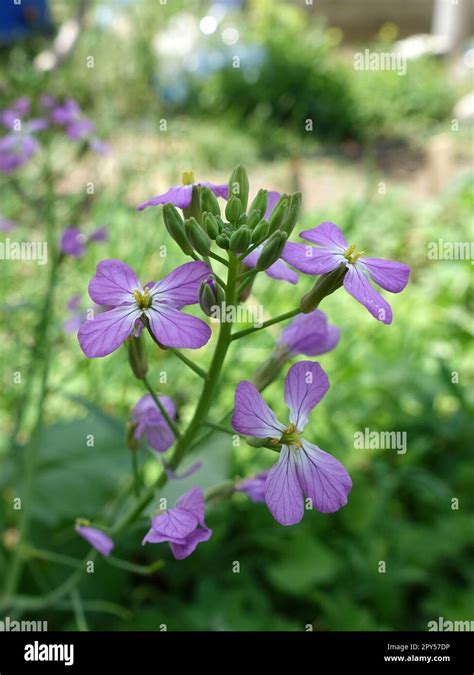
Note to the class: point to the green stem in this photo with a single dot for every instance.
(79, 611)
(219, 427)
(199, 371)
(182, 447)
(219, 258)
(265, 324)
(14, 572)
(162, 409)
(136, 473)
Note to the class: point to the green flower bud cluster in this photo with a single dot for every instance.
(244, 227)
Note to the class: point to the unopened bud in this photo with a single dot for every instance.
(210, 225)
(272, 250)
(137, 356)
(233, 209)
(197, 237)
(240, 240)
(209, 202)
(175, 226)
(326, 284)
(239, 186)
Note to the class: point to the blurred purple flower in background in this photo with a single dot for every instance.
(7, 225)
(99, 540)
(150, 422)
(254, 487)
(78, 127)
(73, 241)
(20, 144)
(183, 526)
(303, 470)
(309, 334)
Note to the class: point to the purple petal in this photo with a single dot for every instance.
(74, 302)
(281, 272)
(100, 541)
(309, 334)
(153, 537)
(113, 283)
(219, 190)
(193, 501)
(252, 258)
(147, 410)
(272, 199)
(252, 416)
(179, 195)
(390, 275)
(100, 234)
(99, 146)
(73, 324)
(7, 225)
(73, 242)
(357, 284)
(283, 493)
(181, 286)
(176, 523)
(254, 487)
(305, 385)
(323, 478)
(159, 436)
(311, 260)
(107, 331)
(173, 475)
(175, 329)
(277, 271)
(327, 235)
(181, 551)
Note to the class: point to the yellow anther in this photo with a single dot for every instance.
(187, 178)
(352, 257)
(143, 300)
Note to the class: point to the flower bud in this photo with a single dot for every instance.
(255, 442)
(278, 214)
(197, 237)
(239, 186)
(210, 225)
(326, 284)
(271, 251)
(233, 209)
(222, 240)
(260, 202)
(254, 218)
(240, 240)
(210, 296)
(261, 232)
(292, 213)
(174, 225)
(137, 356)
(209, 202)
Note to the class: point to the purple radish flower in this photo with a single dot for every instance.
(332, 250)
(150, 422)
(116, 285)
(303, 471)
(99, 540)
(183, 526)
(74, 242)
(254, 487)
(181, 195)
(309, 334)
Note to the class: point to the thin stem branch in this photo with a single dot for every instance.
(219, 427)
(219, 258)
(265, 324)
(162, 409)
(199, 371)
